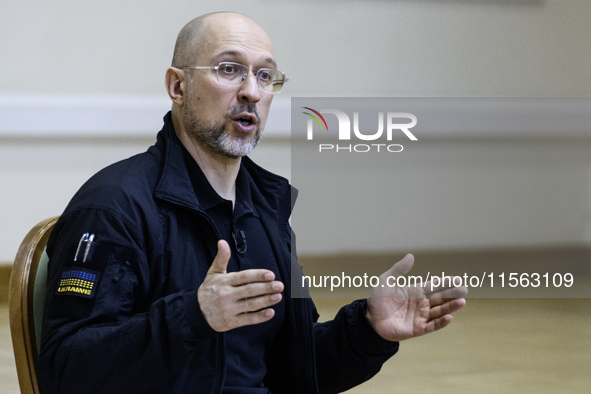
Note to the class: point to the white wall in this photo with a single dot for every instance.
(114, 53)
(420, 47)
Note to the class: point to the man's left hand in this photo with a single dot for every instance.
(398, 313)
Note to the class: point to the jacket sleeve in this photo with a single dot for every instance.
(348, 350)
(102, 331)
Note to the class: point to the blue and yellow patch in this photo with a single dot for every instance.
(78, 281)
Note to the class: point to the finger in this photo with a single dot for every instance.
(447, 282)
(247, 319)
(438, 324)
(454, 292)
(434, 301)
(256, 304)
(446, 308)
(259, 289)
(401, 267)
(220, 262)
(437, 284)
(245, 277)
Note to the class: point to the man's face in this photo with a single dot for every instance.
(228, 119)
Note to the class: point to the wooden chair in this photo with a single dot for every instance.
(26, 298)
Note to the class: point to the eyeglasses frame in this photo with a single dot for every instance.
(244, 76)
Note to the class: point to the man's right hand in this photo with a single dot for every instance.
(236, 299)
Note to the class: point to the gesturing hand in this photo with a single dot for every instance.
(236, 299)
(398, 313)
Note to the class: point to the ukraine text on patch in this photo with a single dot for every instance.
(78, 281)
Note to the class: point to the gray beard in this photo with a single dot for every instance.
(216, 138)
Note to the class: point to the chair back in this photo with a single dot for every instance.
(26, 299)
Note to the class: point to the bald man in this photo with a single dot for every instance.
(171, 271)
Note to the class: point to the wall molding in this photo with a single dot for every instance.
(135, 116)
(63, 116)
(481, 118)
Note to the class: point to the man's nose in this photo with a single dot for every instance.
(249, 90)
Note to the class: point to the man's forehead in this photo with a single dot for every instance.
(242, 56)
(235, 35)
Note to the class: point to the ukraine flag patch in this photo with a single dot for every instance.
(78, 281)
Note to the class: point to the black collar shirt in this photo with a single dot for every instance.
(246, 347)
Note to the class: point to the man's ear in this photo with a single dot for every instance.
(174, 81)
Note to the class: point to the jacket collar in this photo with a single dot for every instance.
(269, 191)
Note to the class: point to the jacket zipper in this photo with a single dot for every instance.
(222, 340)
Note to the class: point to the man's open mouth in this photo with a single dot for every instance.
(245, 121)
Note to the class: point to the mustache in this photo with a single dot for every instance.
(244, 107)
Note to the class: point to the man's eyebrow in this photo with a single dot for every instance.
(231, 52)
(271, 61)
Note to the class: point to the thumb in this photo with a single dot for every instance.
(401, 267)
(220, 263)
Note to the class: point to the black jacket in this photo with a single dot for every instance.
(127, 319)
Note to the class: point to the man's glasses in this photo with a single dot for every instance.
(234, 74)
